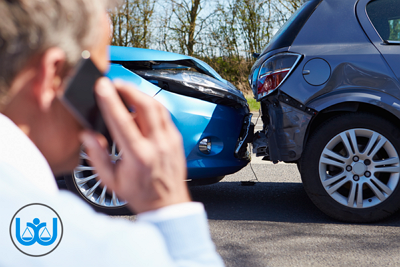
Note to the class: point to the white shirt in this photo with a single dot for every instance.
(172, 236)
(18, 151)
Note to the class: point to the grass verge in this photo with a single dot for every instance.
(253, 104)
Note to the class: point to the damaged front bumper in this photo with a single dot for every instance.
(246, 137)
(285, 126)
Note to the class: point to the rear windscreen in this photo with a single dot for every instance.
(385, 16)
(288, 32)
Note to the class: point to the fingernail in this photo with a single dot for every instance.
(118, 82)
(103, 87)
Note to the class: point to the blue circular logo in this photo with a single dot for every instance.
(36, 230)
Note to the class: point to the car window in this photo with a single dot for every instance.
(385, 16)
(394, 25)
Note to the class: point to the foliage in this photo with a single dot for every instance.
(223, 33)
(131, 23)
(233, 68)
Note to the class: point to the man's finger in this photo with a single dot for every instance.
(99, 158)
(117, 117)
(147, 109)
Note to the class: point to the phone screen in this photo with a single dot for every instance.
(79, 96)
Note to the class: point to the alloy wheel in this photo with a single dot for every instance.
(90, 187)
(359, 168)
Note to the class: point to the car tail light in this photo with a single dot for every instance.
(274, 71)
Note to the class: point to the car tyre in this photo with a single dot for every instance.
(350, 167)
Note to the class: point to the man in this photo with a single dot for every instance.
(40, 42)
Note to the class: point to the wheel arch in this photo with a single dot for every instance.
(328, 108)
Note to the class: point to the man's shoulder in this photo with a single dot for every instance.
(11, 177)
(20, 158)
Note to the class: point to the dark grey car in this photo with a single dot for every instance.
(328, 83)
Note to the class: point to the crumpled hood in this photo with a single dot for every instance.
(119, 53)
(178, 74)
(119, 72)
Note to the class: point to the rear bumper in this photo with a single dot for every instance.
(285, 123)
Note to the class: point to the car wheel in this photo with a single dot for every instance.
(83, 182)
(350, 167)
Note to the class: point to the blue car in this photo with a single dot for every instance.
(211, 114)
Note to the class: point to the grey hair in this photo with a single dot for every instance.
(30, 27)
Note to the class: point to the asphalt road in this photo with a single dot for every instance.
(273, 223)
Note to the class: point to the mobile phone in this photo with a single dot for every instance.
(79, 96)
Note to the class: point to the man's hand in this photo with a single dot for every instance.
(153, 169)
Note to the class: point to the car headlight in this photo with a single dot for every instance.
(274, 71)
(195, 84)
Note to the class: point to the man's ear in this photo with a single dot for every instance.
(48, 80)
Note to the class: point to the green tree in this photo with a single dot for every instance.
(185, 25)
(223, 33)
(132, 22)
(255, 23)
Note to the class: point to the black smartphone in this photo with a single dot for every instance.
(79, 96)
